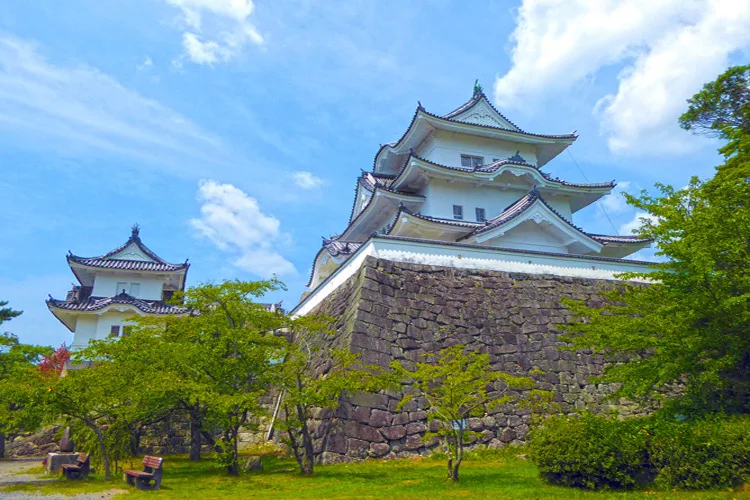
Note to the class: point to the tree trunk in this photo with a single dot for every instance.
(135, 440)
(459, 453)
(307, 444)
(2, 445)
(234, 465)
(195, 434)
(103, 451)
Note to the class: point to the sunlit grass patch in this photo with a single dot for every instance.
(485, 475)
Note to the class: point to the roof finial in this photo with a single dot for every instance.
(477, 87)
(135, 230)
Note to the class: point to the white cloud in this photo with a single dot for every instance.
(670, 48)
(636, 222)
(216, 30)
(615, 202)
(234, 222)
(306, 180)
(146, 64)
(81, 109)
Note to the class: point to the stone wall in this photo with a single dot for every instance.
(395, 311)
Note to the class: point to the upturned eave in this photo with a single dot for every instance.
(387, 160)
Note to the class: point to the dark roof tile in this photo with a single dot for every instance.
(98, 303)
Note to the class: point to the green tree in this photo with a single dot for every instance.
(691, 326)
(19, 382)
(100, 399)
(312, 378)
(219, 358)
(140, 392)
(722, 107)
(20, 385)
(6, 313)
(458, 385)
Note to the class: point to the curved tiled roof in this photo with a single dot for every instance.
(107, 262)
(495, 165)
(475, 98)
(515, 209)
(604, 238)
(451, 222)
(336, 247)
(98, 303)
(126, 265)
(446, 118)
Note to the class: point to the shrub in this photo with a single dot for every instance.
(705, 454)
(590, 451)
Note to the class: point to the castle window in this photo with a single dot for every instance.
(120, 288)
(135, 289)
(127, 330)
(480, 215)
(471, 161)
(114, 331)
(458, 212)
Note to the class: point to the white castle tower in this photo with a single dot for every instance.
(129, 280)
(468, 190)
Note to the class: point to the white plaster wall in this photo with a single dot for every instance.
(440, 196)
(85, 330)
(446, 148)
(561, 204)
(105, 285)
(108, 319)
(529, 236)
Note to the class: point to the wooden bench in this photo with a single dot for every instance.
(151, 472)
(78, 470)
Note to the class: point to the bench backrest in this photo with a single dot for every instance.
(82, 457)
(152, 462)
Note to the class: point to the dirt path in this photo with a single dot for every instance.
(13, 472)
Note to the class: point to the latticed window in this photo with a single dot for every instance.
(458, 212)
(471, 161)
(480, 215)
(114, 331)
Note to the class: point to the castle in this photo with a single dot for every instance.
(467, 190)
(131, 279)
(458, 236)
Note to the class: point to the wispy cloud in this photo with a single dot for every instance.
(82, 109)
(215, 30)
(306, 180)
(615, 202)
(234, 222)
(670, 48)
(640, 218)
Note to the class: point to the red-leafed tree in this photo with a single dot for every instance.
(53, 364)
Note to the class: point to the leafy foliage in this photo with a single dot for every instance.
(219, 358)
(722, 106)
(590, 451)
(53, 364)
(311, 379)
(19, 382)
(6, 313)
(709, 453)
(458, 385)
(692, 325)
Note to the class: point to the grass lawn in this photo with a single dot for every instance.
(499, 476)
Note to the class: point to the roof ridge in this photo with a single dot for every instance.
(475, 98)
(423, 110)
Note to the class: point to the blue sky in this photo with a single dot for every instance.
(233, 131)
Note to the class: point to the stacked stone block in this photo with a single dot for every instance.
(395, 311)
